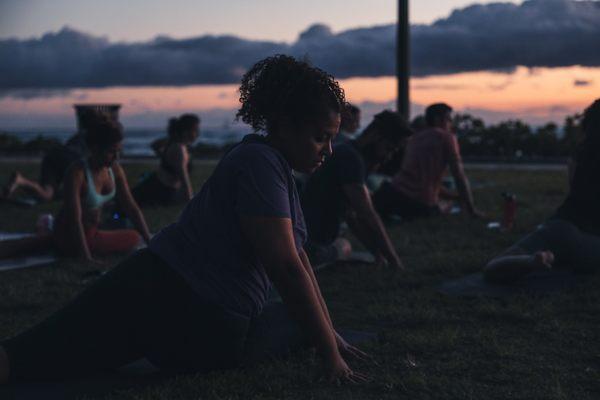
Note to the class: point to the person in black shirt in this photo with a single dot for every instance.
(571, 237)
(337, 192)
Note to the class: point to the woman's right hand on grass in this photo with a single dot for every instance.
(338, 372)
(95, 262)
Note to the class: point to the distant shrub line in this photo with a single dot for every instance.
(511, 140)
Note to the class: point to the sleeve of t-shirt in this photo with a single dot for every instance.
(262, 187)
(349, 167)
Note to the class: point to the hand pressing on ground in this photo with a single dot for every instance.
(338, 372)
(395, 265)
(476, 213)
(95, 262)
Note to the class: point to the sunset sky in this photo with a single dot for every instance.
(535, 94)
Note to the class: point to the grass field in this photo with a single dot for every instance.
(429, 346)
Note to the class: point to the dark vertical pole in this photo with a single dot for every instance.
(403, 59)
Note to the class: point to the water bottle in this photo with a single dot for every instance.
(45, 224)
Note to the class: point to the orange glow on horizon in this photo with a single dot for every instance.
(542, 91)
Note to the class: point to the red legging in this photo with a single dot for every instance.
(100, 242)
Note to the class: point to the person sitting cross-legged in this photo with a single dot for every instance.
(416, 189)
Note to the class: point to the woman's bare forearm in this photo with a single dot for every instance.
(308, 268)
(298, 293)
(374, 226)
(139, 222)
(80, 239)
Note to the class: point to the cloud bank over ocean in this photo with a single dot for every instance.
(497, 36)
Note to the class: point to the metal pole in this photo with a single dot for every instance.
(403, 59)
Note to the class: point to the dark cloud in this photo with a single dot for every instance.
(497, 36)
(582, 82)
(28, 94)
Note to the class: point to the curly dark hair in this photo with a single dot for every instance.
(391, 126)
(283, 87)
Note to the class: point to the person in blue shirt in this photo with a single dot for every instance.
(189, 300)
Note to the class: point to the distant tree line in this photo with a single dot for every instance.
(515, 140)
(11, 144)
(511, 140)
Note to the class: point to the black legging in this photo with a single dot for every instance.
(141, 308)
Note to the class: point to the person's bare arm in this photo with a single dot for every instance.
(73, 210)
(180, 157)
(464, 189)
(359, 201)
(128, 203)
(273, 242)
(344, 348)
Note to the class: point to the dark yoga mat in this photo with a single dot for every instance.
(537, 283)
(31, 260)
(25, 202)
(273, 334)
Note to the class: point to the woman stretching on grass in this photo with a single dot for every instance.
(163, 186)
(188, 301)
(89, 184)
(571, 238)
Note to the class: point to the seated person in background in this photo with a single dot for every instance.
(337, 192)
(350, 123)
(54, 165)
(392, 166)
(163, 186)
(89, 184)
(570, 238)
(415, 190)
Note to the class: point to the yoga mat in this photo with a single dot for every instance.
(33, 260)
(537, 283)
(26, 262)
(20, 201)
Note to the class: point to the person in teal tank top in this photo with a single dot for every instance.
(93, 199)
(89, 184)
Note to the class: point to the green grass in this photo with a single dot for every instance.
(429, 347)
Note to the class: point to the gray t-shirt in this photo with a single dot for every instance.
(206, 245)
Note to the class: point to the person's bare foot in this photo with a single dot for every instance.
(544, 259)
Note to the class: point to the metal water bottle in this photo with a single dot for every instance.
(45, 224)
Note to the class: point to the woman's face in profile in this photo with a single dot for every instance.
(309, 146)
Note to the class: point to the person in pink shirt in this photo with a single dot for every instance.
(416, 189)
